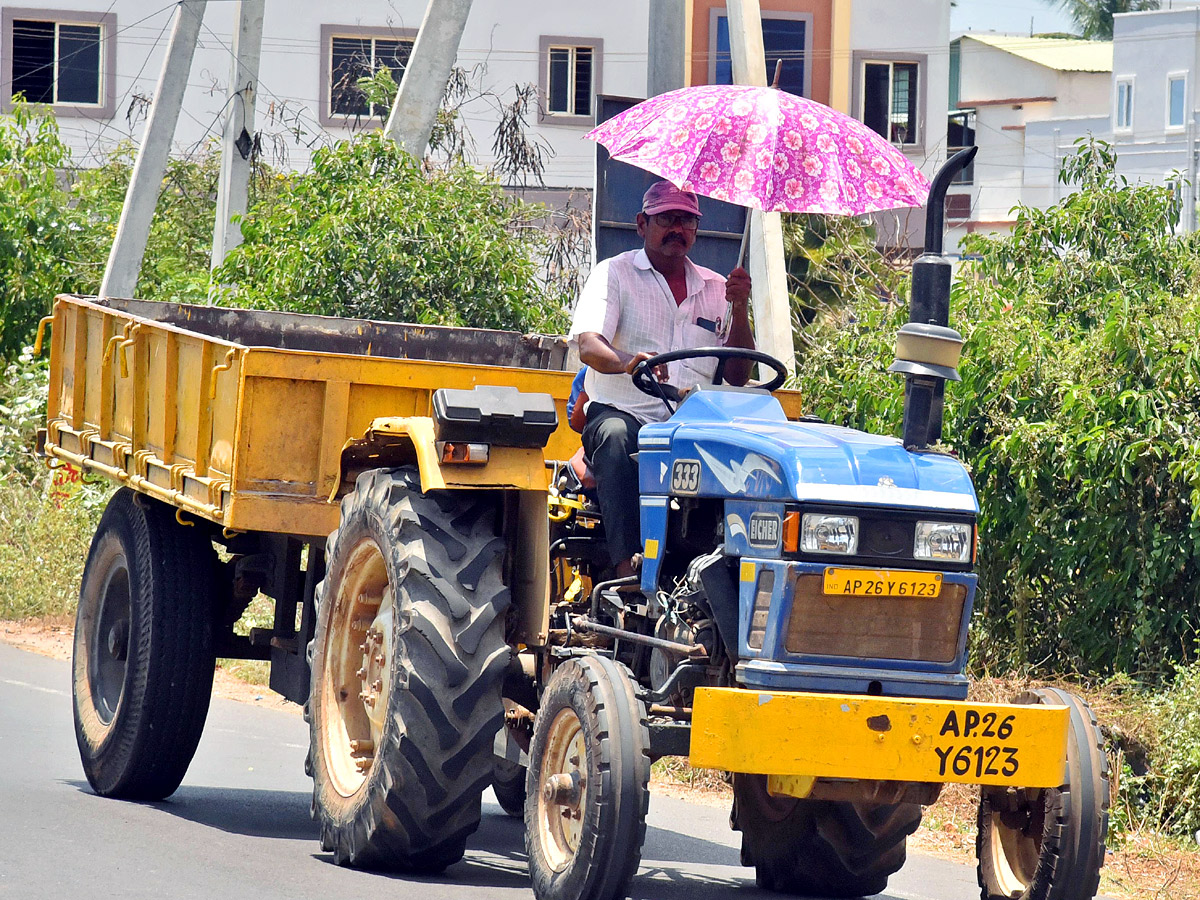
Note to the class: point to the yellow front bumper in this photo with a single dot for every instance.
(851, 736)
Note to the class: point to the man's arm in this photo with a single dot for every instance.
(737, 292)
(597, 352)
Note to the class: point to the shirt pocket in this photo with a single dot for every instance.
(701, 369)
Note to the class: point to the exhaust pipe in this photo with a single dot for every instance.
(927, 349)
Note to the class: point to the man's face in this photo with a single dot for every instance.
(669, 233)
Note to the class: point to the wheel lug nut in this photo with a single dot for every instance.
(377, 685)
(361, 673)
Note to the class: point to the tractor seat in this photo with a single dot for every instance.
(581, 468)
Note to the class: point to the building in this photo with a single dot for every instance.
(1136, 92)
(97, 63)
(1004, 85)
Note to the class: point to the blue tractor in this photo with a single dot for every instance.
(799, 621)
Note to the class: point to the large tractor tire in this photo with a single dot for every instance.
(143, 656)
(819, 848)
(1048, 844)
(588, 788)
(508, 784)
(408, 661)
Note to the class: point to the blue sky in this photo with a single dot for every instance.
(1008, 15)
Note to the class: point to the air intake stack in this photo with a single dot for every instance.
(927, 348)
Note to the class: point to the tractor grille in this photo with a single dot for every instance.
(913, 628)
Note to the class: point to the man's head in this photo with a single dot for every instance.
(668, 220)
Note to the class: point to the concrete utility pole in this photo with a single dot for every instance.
(129, 245)
(424, 83)
(236, 141)
(772, 312)
(668, 41)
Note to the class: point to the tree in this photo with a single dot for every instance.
(1079, 414)
(1094, 18)
(370, 232)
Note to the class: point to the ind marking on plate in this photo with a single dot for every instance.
(685, 476)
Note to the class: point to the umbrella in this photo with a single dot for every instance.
(764, 148)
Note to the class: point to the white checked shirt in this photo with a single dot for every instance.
(629, 302)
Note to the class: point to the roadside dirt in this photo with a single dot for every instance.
(1145, 867)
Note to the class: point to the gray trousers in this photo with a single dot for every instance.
(610, 440)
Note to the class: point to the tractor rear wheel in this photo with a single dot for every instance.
(143, 654)
(1048, 844)
(408, 660)
(588, 788)
(819, 847)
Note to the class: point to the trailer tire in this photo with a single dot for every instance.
(142, 663)
(590, 732)
(401, 748)
(1049, 844)
(819, 847)
(508, 784)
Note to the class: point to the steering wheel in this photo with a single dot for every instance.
(644, 380)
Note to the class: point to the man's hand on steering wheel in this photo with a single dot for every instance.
(661, 373)
(645, 372)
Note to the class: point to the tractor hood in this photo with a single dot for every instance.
(728, 442)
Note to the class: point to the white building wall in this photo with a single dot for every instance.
(920, 30)
(500, 48)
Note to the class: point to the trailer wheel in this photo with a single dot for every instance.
(1048, 844)
(407, 666)
(143, 661)
(819, 847)
(508, 784)
(587, 793)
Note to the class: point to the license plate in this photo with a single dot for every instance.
(882, 583)
(845, 736)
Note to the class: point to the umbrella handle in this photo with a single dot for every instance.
(741, 260)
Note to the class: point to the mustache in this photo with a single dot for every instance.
(678, 238)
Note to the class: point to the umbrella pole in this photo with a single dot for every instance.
(741, 260)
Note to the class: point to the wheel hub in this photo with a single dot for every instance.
(564, 790)
(118, 641)
(358, 680)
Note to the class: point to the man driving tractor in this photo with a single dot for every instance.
(635, 305)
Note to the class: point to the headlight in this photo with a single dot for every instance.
(950, 541)
(824, 533)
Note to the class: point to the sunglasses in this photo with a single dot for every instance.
(687, 221)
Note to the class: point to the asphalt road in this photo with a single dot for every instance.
(240, 824)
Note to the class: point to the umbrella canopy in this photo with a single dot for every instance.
(763, 148)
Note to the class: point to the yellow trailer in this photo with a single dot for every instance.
(414, 504)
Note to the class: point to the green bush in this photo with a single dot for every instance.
(1079, 413)
(42, 546)
(370, 233)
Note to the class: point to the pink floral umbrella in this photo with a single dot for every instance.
(763, 148)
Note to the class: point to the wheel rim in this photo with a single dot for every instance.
(108, 654)
(1015, 845)
(358, 668)
(564, 790)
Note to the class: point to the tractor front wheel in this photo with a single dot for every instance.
(587, 791)
(1048, 844)
(820, 848)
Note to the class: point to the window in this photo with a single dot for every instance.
(785, 39)
(960, 133)
(1176, 88)
(349, 54)
(889, 100)
(568, 79)
(1124, 117)
(65, 61)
